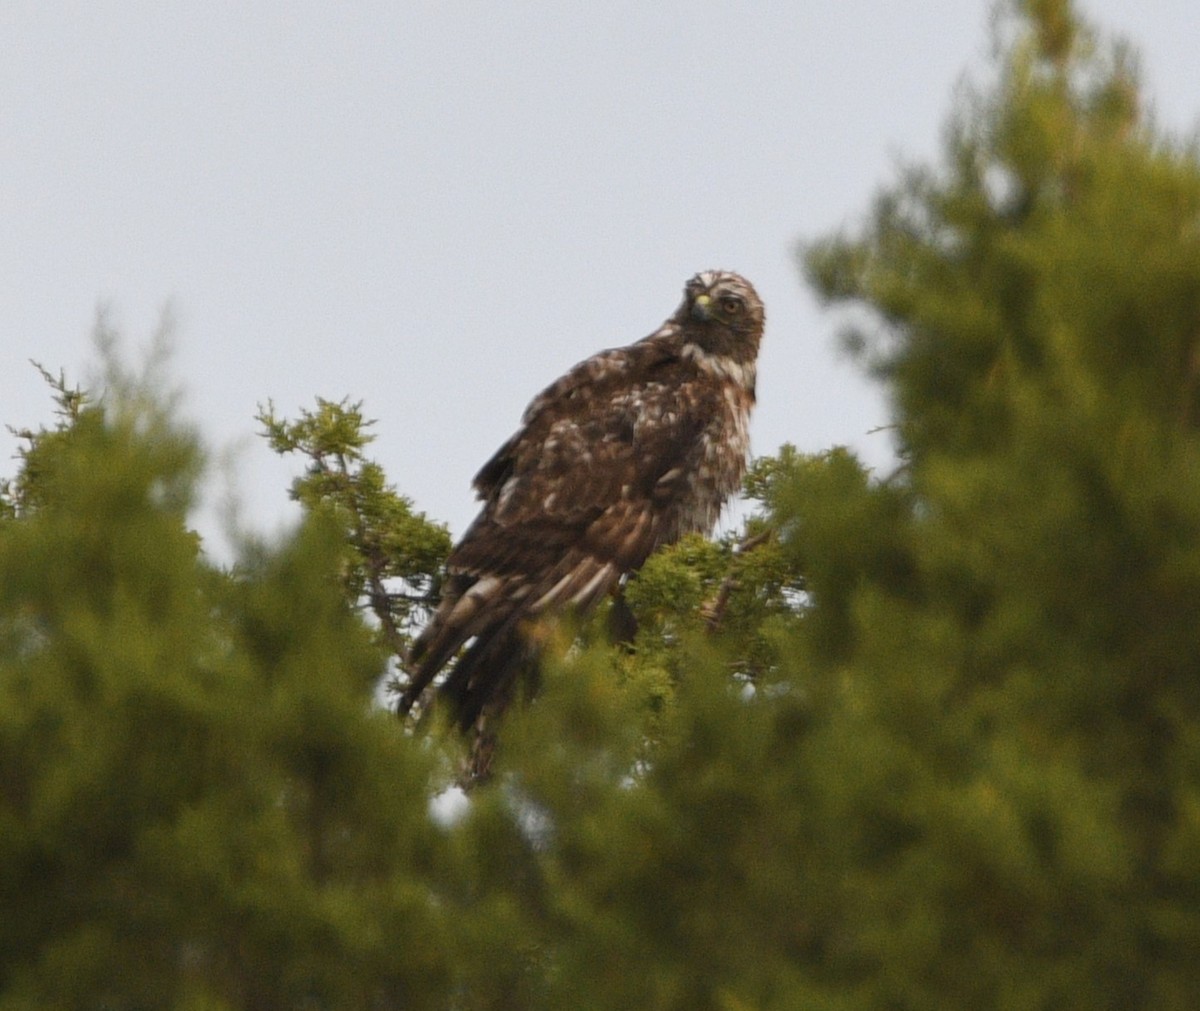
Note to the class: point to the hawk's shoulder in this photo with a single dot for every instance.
(594, 400)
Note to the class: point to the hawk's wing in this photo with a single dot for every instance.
(579, 496)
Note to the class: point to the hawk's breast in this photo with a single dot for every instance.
(720, 462)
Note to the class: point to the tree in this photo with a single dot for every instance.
(1021, 660)
(393, 554)
(197, 808)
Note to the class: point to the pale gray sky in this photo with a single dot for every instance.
(437, 207)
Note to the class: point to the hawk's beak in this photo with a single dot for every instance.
(701, 306)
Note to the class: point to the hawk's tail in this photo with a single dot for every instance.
(469, 607)
(494, 610)
(488, 672)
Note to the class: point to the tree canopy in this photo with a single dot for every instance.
(923, 739)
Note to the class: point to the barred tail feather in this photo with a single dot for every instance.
(488, 671)
(465, 612)
(491, 610)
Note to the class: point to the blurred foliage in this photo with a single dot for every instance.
(925, 741)
(1022, 650)
(197, 807)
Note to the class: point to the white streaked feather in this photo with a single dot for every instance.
(551, 594)
(470, 602)
(584, 594)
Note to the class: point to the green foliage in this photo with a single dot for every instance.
(728, 586)
(392, 554)
(19, 495)
(1057, 242)
(196, 805)
(667, 883)
(1020, 652)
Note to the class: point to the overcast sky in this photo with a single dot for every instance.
(438, 207)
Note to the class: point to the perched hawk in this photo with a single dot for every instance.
(630, 450)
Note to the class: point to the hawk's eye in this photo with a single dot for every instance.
(731, 305)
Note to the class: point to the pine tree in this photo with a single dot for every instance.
(392, 554)
(1021, 661)
(197, 805)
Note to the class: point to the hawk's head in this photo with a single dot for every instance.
(722, 315)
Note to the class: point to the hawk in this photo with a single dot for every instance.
(630, 450)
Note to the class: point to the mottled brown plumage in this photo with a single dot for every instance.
(630, 450)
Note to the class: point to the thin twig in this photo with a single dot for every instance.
(713, 611)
